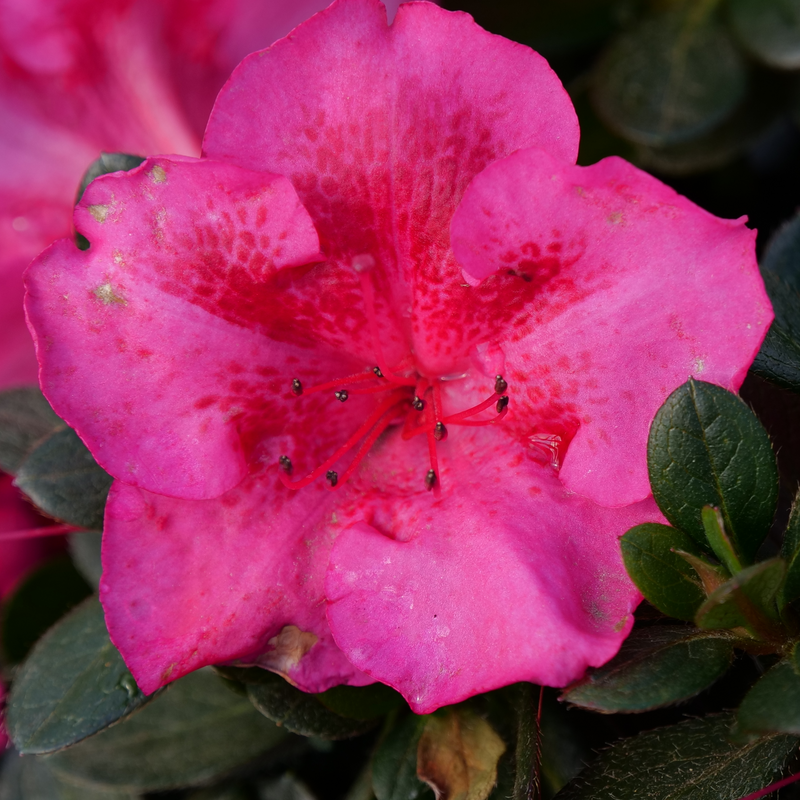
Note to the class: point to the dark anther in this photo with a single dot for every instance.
(417, 403)
(430, 480)
(439, 432)
(500, 384)
(377, 371)
(502, 403)
(285, 464)
(341, 396)
(332, 476)
(297, 387)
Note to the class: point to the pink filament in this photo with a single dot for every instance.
(33, 533)
(773, 787)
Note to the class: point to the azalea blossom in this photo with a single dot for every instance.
(374, 376)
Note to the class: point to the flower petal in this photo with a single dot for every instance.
(636, 290)
(158, 301)
(508, 578)
(380, 129)
(188, 583)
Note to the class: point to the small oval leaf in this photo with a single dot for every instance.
(693, 760)
(25, 419)
(660, 574)
(394, 765)
(773, 704)
(73, 684)
(62, 478)
(656, 666)
(193, 732)
(670, 79)
(707, 448)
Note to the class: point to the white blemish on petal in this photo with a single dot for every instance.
(107, 295)
(699, 365)
(99, 212)
(20, 224)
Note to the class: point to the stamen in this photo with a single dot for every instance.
(418, 403)
(437, 483)
(359, 377)
(476, 423)
(297, 387)
(388, 408)
(500, 384)
(286, 464)
(377, 371)
(430, 480)
(333, 477)
(439, 432)
(341, 396)
(32, 533)
(470, 412)
(502, 403)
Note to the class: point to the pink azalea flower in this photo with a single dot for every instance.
(350, 445)
(78, 77)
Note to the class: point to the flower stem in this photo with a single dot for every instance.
(527, 785)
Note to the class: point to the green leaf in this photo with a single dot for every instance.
(63, 479)
(746, 600)
(73, 684)
(773, 704)
(670, 79)
(782, 254)
(656, 666)
(693, 760)
(362, 702)
(25, 419)
(85, 548)
(720, 543)
(790, 552)
(394, 765)
(194, 732)
(769, 29)
(659, 573)
(40, 601)
(778, 360)
(296, 711)
(764, 103)
(707, 448)
(30, 778)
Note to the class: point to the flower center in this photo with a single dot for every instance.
(411, 398)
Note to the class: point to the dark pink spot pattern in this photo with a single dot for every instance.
(402, 199)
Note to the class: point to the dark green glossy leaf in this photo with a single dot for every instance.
(707, 448)
(394, 765)
(746, 600)
(790, 552)
(296, 711)
(362, 702)
(769, 29)
(25, 419)
(659, 573)
(656, 666)
(693, 760)
(40, 601)
(195, 731)
(773, 704)
(778, 360)
(73, 684)
(670, 79)
(62, 478)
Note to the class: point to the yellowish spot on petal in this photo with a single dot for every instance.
(107, 295)
(288, 647)
(158, 174)
(99, 212)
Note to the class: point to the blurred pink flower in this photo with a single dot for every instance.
(375, 377)
(78, 77)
